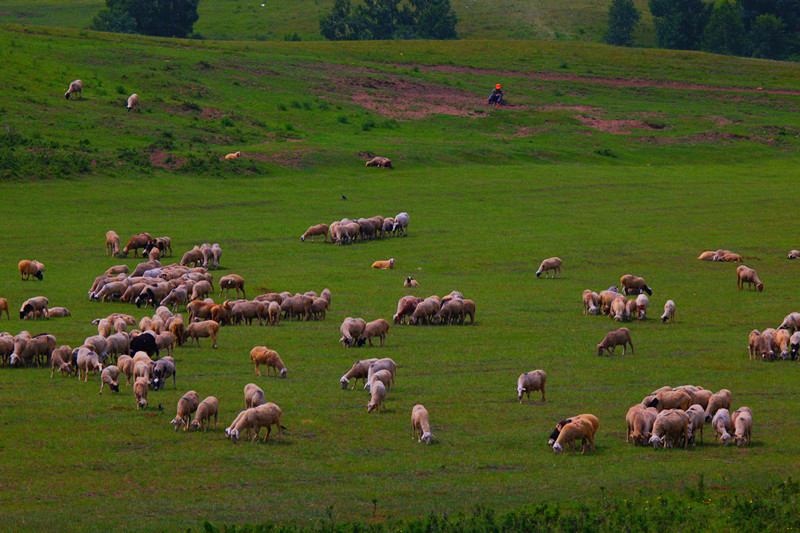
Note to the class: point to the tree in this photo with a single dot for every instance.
(725, 33)
(680, 23)
(162, 18)
(768, 36)
(386, 19)
(342, 23)
(433, 19)
(622, 20)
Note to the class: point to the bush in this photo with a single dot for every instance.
(623, 18)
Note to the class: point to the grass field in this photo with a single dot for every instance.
(616, 161)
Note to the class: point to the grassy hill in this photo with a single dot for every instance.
(617, 161)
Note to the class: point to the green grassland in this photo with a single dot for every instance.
(605, 158)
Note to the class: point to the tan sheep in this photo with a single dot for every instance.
(4, 307)
(54, 312)
(742, 425)
(125, 365)
(591, 302)
(381, 162)
(133, 102)
(673, 399)
(606, 298)
(748, 275)
(634, 285)
(719, 400)
(384, 264)
(794, 254)
(420, 425)
(253, 396)
(74, 88)
(410, 282)
(671, 424)
(723, 426)
(351, 329)
(87, 361)
(109, 377)
(618, 308)
(315, 231)
(529, 382)
(112, 243)
(359, 370)
(669, 312)
(385, 377)
(231, 281)
(634, 420)
(707, 256)
(261, 355)
(205, 410)
(186, 406)
(140, 388)
(207, 328)
(577, 428)
(233, 156)
(621, 336)
(697, 419)
(377, 396)
(376, 328)
(29, 269)
(265, 415)
(552, 264)
(791, 322)
(60, 361)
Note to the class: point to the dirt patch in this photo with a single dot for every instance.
(618, 126)
(165, 160)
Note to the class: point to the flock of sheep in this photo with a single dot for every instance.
(347, 231)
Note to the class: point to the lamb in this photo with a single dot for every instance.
(791, 322)
(720, 400)
(384, 376)
(253, 396)
(420, 426)
(531, 381)
(351, 329)
(634, 285)
(382, 162)
(87, 361)
(669, 312)
(261, 355)
(591, 302)
(232, 156)
(619, 308)
(207, 328)
(137, 241)
(133, 102)
(315, 231)
(376, 328)
(410, 282)
(401, 224)
(381, 364)
(794, 254)
(265, 415)
(405, 307)
(615, 338)
(186, 406)
(749, 276)
(782, 339)
(377, 396)
(231, 281)
(671, 423)
(723, 425)
(28, 269)
(74, 88)
(553, 264)
(674, 399)
(60, 361)
(742, 425)
(109, 377)
(140, 388)
(19, 343)
(697, 418)
(577, 428)
(125, 365)
(205, 410)
(162, 370)
(359, 370)
(701, 397)
(384, 265)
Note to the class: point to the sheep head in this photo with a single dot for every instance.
(427, 436)
(557, 448)
(759, 286)
(656, 442)
(114, 386)
(177, 422)
(344, 381)
(520, 392)
(725, 439)
(284, 372)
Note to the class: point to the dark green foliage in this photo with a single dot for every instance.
(623, 18)
(418, 19)
(769, 37)
(680, 23)
(725, 33)
(162, 18)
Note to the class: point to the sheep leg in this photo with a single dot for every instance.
(542, 392)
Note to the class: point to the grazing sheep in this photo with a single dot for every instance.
(469, 309)
(613, 339)
(424, 311)
(205, 410)
(53, 312)
(234, 155)
(207, 328)
(125, 365)
(742, 425)
(673, 399)
(314, 231)
(553, 264)
(634, 418)
(420, 426)
(29, 269)
(60, 361)
(531, 381)
(591, 302)
(607, 297)
(451, 312)
(74, 88)
(577, 428)
(381, 364)
(143, 369)
(200, 290)
(697, 419)
(669, 312)
(265, 415)
(186, 406)
(359, 370)
(137, 241)
(619, 308)
(749, 276)
(351, 329)
(377, 396)
(231, 281)
(794, 254)
(410, 282)
(376, 328)
(384, 264)
(163, 369)
(384, 376)
(87, 361)
(261, 355)
(112, 243)
(794, 345)
(247, 311)
(109, 377)
(382, 162)
(140, 388)
(319, 306)
(405, 308)
(791, 322)
(764, 344)
(133, 102)
(634, 285)
(595, 423)
(723, 426)
(781, 340)
(719, 400)
(193, 257)
(670, 424)
(641, 306)
(253, 396)
(401, 224)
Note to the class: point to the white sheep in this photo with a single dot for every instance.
(723, 425)
(377, 396)
(670, 424)
(591, 302)
(401, 224)
(531, 381)
(420, 426)
(742, 425)
(205, 410)
(253, 396)
(641, 306)
(669, 312)
(265, 415)
(74, 88)
(133, 102)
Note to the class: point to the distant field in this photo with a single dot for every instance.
(617, 161)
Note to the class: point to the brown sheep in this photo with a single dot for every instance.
(749, 276)
(136, 242)
(28, 269)
(381, 162)
(4, 307)
(207, 328)
(261, 355)
(405, 307)
(231, 281)
(613, 339)
(634, 285)
(315, 231)
(186, 406)
(550, 265)
(112, 243)
(376, 328)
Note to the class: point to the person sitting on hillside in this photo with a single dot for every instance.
(496, 97)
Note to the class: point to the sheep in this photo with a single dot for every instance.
(674, 399)
(748, 275)
(405, 307)
(606, 298)
(125, 365)
(578, 428)
(140, 388)
(162, 370)
(553, 264)
(231, 281)
(410, 282)
(384, 376)
(719, 400)
(178, 295)
(118, 344)
(376, 328)
(60, 361)
(639, 421)
(591, 302)
(274, 313)
(314, 231)
(351, 329)
(192, 257)
(452, 311)
(697, 418)
(253, 396)
(377, 396)
(469, 309)
(186, 406)
(619, 308)
(794, 254)
(264, 356)
(378, 161)
(376, 366)
(613, 339)
(87, 361)
(634, 285)
(730, 257)
(384, 265)
(19, 343)
(669, 312)
(137, 241)
(247, 311)
(28, 269)
(671, 423)
(265, 415)
(133, 102)
(701, 397)
(207, 328)
(109, 377)
(112, 243)
(359, 370)
(723, 426)
(233, 156)
(111, 291)
(593, 421)
(742, 425)
(7, 347)
(205, 410)
(319, 307)
(641, 306)
(794, 345)
(142, 369)
(424, 311)
(781, 339)
(146, 342)
(707, 256)
(420, 426)
(401, 224)
(791, 322)
(531, 381)
(75, 88)
(200, 290)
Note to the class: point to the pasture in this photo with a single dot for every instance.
(489, 195)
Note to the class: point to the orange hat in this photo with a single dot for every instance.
(497, 86)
